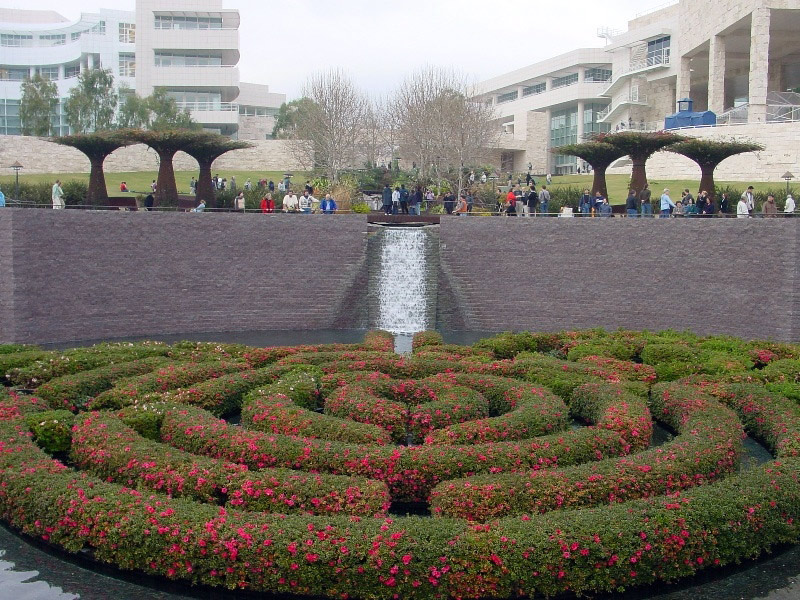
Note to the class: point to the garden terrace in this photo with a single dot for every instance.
(533, 450)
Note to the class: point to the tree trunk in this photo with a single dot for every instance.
(707, 180)
(599, 181)
(97, 194)
(638, 174)
(166, 189)
(205, 187)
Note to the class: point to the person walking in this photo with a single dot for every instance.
(788, 210)
(749, 198)
(741, 208)
(544, 200)
(403, 199)
(666, 204)
(57, 195)
(396, 201)
(644, 199)
(386, 199)
(630, 204)
(769, 208)
(415, 201)
(724, 205)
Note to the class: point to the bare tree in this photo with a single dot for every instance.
(441, 124)
(328, 134)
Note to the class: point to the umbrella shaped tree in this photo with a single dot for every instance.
(708, 154)
(97, 146)
(205, 148)
(639, 146)
(598, 154)
(166, 144)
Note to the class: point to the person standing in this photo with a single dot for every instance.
(520, 203)
(153, 186)
(533, 200)
(741, 208)
(708, 205)
(233, 183)
(511, 203)
(544, 199)
(449, 202)
(193, 186)
(666, 204)
(328, 205)
(461, 208)
(2, 199)
(644, 199)
(585, 203)
(686, 197)
(238, 202)
(149, 202)
(403, 199)
(598, 202)
(724, 205)
(789, 208)
(749, 198)
(396, 201)
(57, 195)
(769, 208)
(415, 201)
(386, 199)
(630, 204)
(290, 202)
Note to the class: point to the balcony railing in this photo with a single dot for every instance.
(209, 106)
(657, 59)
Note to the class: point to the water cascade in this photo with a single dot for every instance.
(403, 283)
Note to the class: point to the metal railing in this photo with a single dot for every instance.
(209, 106)
(657, 59)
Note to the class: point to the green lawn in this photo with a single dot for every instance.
(139, 182)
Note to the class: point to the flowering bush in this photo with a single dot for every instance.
(294, 501)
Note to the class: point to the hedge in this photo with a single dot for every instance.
(291, 509)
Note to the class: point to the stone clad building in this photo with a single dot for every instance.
(737, 58)
(190, 48)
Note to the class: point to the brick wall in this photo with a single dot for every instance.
(90, 275)
(711, 276)
(71, 275)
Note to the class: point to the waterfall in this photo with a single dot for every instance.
(403, 281)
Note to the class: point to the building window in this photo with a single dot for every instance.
(507, 97)
(590, 119)
(50, 73)
(53, 40)
(559, 82)
(564, 130)
(196, 100)
(13, 40)
(127, 33)
(100, 27)
(14, 73)
(71, 71)
(75, 36)
(185, 59)
(173, 22)
(536, 88)
(127, 65)
(507, 162)
(597, 75)
(658, 51)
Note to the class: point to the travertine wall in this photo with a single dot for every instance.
(37, 155)
(782, 154)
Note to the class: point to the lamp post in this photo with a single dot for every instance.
(788, 177)
(16, 166)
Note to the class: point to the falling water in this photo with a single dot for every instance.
(404, 283)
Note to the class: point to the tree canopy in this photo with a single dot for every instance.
(158, 111)
(598, 154)
(92, 103)
(639, 146)
(39, 101)
(205, 149)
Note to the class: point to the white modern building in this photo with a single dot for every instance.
(737, 58)
(190, 48)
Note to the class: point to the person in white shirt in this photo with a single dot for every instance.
(396, 201)
(789, 210)
(290, 202)
(749, 199)
(307, 202)
(58, 195)
(741, 209)
(239, 202)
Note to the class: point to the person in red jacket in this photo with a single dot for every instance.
(267, 204)
(511, 202)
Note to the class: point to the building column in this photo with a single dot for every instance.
(581, 124)
(683, 86)
(716, 74)
(548, 159)
(581, 75)
(759, 65)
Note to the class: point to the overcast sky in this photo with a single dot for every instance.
(378, 42)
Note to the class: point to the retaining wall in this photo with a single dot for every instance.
(71, 275)
(37, 155)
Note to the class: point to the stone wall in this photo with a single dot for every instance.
(37, 155)
(89, 275)
(72, 275)
(731, 276)
(782, 154)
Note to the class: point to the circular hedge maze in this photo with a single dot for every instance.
(527, 459)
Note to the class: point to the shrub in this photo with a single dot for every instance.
(52, 429)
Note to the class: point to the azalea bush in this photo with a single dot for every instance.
(275, 469)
